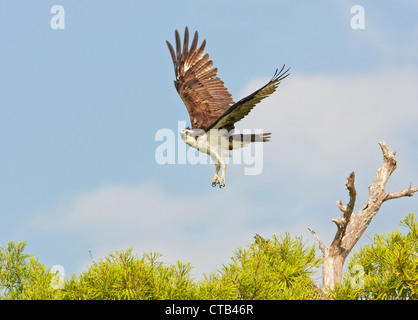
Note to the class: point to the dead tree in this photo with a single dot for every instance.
(352, 226)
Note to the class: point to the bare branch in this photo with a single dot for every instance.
(389, 165)
(347, 211)
(343, 221)
(340, 222)
(352, 194)
(401, 193)
(91, 256)
(342, 207)
(320, 243)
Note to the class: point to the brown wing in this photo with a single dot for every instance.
(243, 107)
(203, 93)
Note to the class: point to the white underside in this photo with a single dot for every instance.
(215, 143)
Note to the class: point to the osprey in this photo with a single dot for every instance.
(211, 108)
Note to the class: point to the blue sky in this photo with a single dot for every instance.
(80, 108)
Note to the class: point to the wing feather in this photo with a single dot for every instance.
(204, 94)
(243, 107)
(178, 44)
(186, 43)
(173, 55)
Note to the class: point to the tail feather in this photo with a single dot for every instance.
(240, 140)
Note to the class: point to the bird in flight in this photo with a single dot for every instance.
(213, 113)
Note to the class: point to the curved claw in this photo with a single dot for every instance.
(218, 181)
(214, 183)
(215, 180)
(222, 182)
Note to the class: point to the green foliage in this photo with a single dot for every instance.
(267, 269)
(22, 276)
(122, 275)
(388, 266)
(276, 268)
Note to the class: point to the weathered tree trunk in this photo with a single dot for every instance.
(332, 267)
(352, 226)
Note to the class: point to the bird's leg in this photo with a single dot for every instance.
(222, 179)
(220, 163)
(215, 180)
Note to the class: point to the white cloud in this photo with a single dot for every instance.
(320, 122)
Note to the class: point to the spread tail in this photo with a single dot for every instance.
(240, 140)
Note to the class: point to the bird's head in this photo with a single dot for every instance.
(187, 136)
(190, 135)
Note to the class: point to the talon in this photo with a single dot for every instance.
(222, 182)
(215, 180)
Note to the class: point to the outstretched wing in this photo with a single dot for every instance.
(243, 107)
(203, 93)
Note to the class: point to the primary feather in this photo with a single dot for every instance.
(203, 93)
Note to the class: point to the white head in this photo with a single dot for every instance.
(187, 136)
(190, 135)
